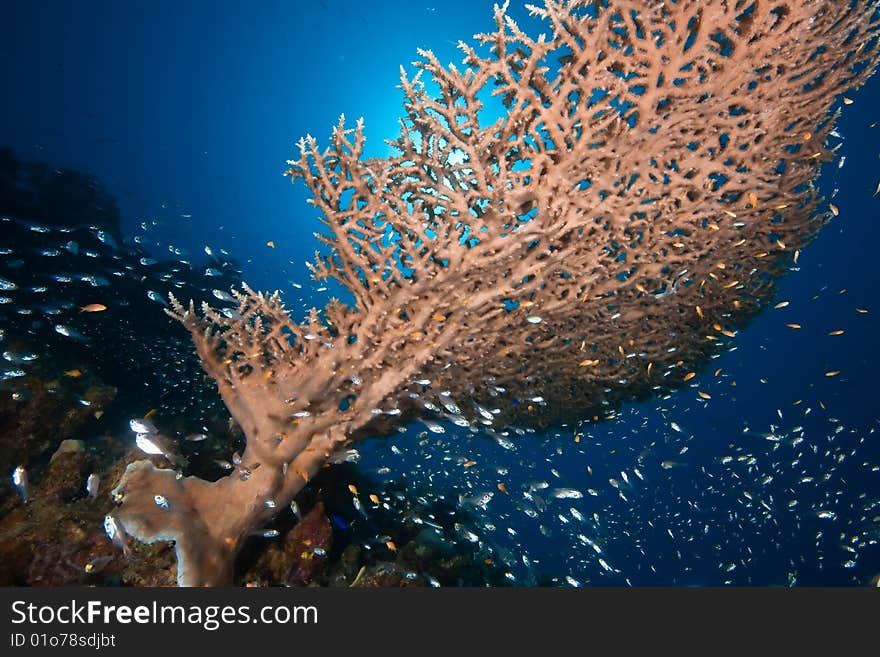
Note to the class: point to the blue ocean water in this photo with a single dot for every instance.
(186, 113)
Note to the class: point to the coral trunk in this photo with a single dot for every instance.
(208, 521)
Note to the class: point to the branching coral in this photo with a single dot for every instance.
(651, 175)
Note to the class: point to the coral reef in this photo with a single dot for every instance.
(652, 174)
(40, 414)
(56, 537)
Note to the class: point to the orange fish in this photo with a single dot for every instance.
(72, 373)
(270, 244)
(93, 308)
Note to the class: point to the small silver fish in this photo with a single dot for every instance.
(480, 500)
(19, 358)
(161, 501)
(151, 443)
(294, 507)
(147, 445)
(92, 484)
(95, 281)
(155, 296)
(68, 332)
(12, 374)
(566, 493)
(115, 532)
(20, 480)
(605, 565)
(107, 239)
(196, 437)
(344, 456)
(142, 425)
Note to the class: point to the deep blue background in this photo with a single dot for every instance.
(192, 108)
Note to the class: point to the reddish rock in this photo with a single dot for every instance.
(296, 560)
(308, 544)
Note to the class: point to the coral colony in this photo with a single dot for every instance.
(651, 175)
